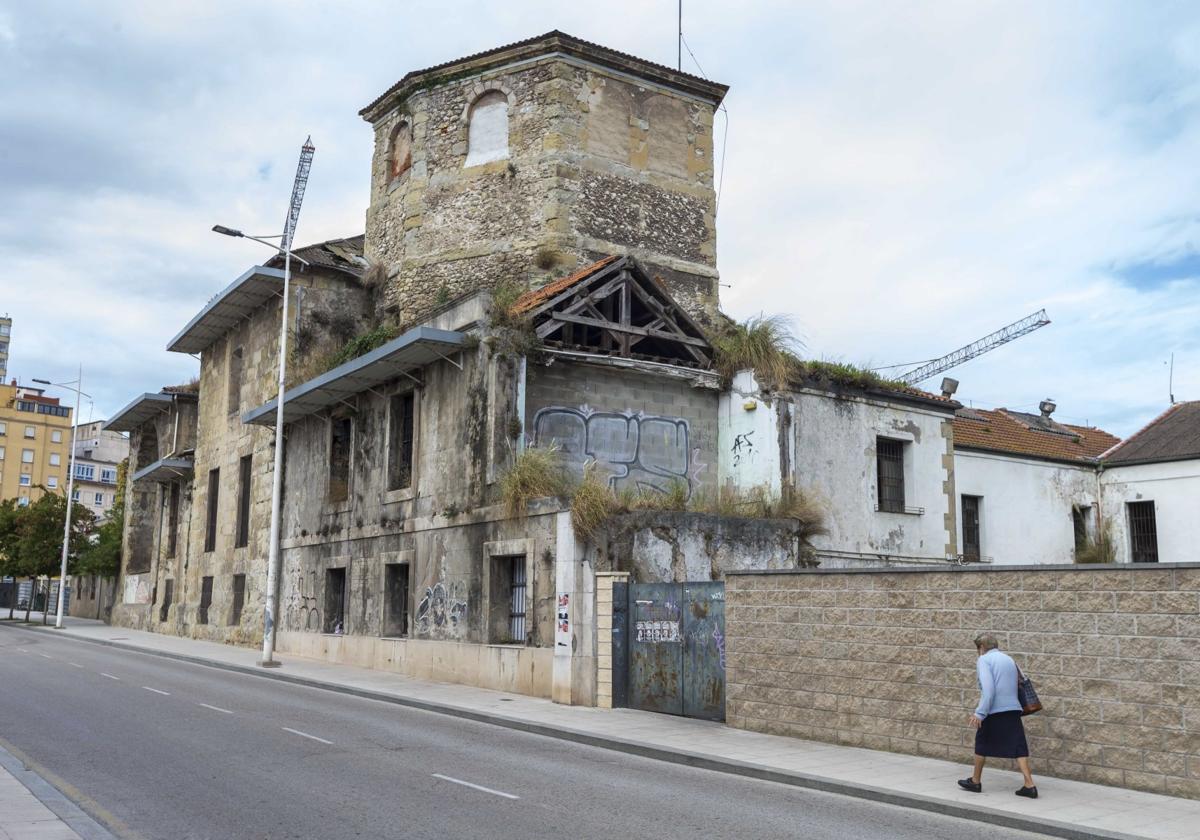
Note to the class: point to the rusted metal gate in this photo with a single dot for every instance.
(675, 636)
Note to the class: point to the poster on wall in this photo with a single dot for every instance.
(562, 621)
(137, 589)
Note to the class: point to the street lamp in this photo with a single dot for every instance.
(268, 657)
(62, 577)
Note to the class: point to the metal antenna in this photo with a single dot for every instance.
(977, 348)
(679, 41)
(1171, 380)
(302, 170)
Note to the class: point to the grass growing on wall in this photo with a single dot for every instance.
(535, 473)
(1099, 549)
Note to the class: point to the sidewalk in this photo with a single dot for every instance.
(1066, 808)
(33, 809)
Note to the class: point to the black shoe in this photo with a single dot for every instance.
(1031, 792)
(977, 787)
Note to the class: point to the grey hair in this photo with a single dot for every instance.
(986, 641)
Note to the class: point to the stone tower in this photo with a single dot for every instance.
(527, 161)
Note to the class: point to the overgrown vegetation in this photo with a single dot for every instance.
(512, 332)
(31, 539)
(1098, 549)
(768, 345)
(535, 473)
(102, 556)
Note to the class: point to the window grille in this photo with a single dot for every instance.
(516, 610)
(889, 455)
(1143, 532)
(972, 548)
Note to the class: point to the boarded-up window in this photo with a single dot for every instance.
(239, 598)
(400, 440)
(206, 586)
(889, 455)
(341, 430)
(235, 379)
(395, 588)
(210, 519)
(487, 131)
(172, 520)
(400, 155)
(243, 509)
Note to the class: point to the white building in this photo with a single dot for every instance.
(98, 453)
(878, 459)
(1027, 485)
(1150, 489)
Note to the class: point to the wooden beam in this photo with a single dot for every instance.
(627, 329)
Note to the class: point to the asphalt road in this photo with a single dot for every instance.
(156, 748)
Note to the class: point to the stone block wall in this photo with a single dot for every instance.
(883, 659)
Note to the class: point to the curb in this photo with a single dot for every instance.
(1051, 828)
(58, 802)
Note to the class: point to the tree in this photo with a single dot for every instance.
(9, 537)
(102, 556)
(40, 538)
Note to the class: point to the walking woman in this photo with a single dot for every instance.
(997, 718)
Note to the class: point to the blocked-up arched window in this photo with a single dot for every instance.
(400, 156)
(487, 129)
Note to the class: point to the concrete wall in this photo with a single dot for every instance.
(884, 660)
(835, 458)
(1174, 488)
(644, 430)
(757, 446)
(597, 164)
(92, 597)
(1025, 515)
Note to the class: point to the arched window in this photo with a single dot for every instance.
(487, 131)
(400, 158)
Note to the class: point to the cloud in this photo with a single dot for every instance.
(902, 178)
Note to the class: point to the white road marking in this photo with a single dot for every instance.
(205, 705)
(72, 664)
(476, 787)
(44, 655)
(305, 735)
(148, 688)
(110, 676)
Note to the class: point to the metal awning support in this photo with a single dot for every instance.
(401, 356)
(165, 469)
(239, 300)
(138, 412)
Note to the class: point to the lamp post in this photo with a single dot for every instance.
(272, 598)
(62, 577)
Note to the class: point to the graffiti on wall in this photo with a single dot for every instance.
(743, 447)
(442, 610)
(638, 451)
(302, 611)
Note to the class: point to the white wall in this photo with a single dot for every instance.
(835, 459)
(1174, 487)
(1025, 512)
(748, 441)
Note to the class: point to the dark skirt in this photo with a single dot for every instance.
(1001, 735)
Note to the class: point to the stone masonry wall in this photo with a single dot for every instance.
(596, 165)
(884, 660)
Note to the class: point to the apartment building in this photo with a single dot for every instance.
(35, 443)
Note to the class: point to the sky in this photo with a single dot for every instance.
(900, 178)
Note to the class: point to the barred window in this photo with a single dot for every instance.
(889, 456)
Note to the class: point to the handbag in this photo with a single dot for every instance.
(1027, 695)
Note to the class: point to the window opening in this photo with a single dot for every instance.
(400, 440)
(239, 598)
(243, 509)
(1143, 532)
(1079, 517)
(972, 547)
(206, 584)
(395, 587)
(168, 594)
(889, 456)
(506, 603)
(516, 609)
(340, 432)
(173, 520)
(235, 379)
(400, 159)
(210, 524)
(335, 600)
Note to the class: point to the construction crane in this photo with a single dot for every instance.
(302, 170)
(977, 348)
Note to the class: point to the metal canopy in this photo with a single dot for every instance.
(165, 469)
(138, 412)
(418, 347)
(232, 304)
